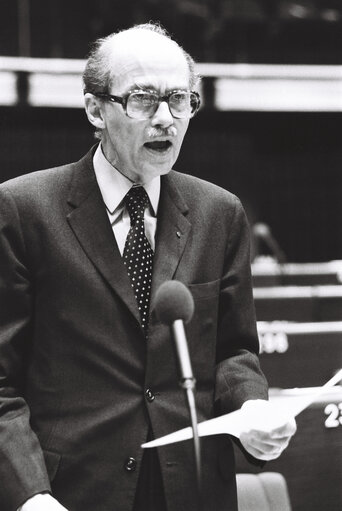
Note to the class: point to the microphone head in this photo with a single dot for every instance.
(174, 301)
(261, 230)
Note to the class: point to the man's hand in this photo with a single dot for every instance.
(263, 441)
(42, 502)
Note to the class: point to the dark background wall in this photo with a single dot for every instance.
(268, 31)
(286, 167)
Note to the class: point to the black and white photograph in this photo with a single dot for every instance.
(171, 255)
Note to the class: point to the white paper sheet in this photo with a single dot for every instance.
(281, 410)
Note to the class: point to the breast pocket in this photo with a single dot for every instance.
(205, 290)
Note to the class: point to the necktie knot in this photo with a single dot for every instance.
(136, 201)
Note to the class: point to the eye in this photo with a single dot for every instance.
(144, 99)
(179, 98)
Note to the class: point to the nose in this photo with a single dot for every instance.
(162, 116)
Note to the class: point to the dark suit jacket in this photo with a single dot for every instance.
(74, 364)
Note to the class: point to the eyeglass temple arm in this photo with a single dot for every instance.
(110, 97)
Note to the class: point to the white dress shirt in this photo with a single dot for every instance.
(114, 186)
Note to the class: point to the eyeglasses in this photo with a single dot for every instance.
(140, 104)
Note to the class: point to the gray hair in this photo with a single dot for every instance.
(98, 74)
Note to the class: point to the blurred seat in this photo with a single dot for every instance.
(299, 303)
(262, 492)
(268, 272)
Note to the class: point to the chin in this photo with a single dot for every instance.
(157, 169)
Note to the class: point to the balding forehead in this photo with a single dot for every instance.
(136, 50)
(142, 43)
(146, 38)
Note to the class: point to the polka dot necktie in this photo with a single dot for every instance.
(138, 254)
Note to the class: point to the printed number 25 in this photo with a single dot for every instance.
(334, 412)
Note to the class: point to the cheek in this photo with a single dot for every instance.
(124, 140)
(182, 129)
(180, 138)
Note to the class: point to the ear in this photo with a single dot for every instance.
(94, 110)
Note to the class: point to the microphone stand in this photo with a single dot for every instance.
(188, 383)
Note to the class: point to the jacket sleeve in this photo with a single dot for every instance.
(238, 373)
(22, 467)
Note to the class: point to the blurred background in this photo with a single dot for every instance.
(269, 130)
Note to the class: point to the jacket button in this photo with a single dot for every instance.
(131, 464)
(149, 395)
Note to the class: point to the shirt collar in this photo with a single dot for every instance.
(114, 185)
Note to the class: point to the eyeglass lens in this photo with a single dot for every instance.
(142, 105)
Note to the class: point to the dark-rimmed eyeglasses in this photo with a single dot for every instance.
(142, 104)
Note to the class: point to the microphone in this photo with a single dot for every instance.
(174, 306)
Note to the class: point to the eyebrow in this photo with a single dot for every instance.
(150, 87)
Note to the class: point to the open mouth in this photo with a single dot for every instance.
(159, 145)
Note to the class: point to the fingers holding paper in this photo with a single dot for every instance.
(268, 436)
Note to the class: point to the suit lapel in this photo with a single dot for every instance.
(172, 233)
(89, 222)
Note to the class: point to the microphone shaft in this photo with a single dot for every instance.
(188, 382)
(182, 350)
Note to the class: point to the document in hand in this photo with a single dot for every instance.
(281, 410)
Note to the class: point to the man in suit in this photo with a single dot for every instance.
(87, 372)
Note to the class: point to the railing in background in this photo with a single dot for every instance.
(225, 87)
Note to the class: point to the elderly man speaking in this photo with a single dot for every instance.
(87, 372)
